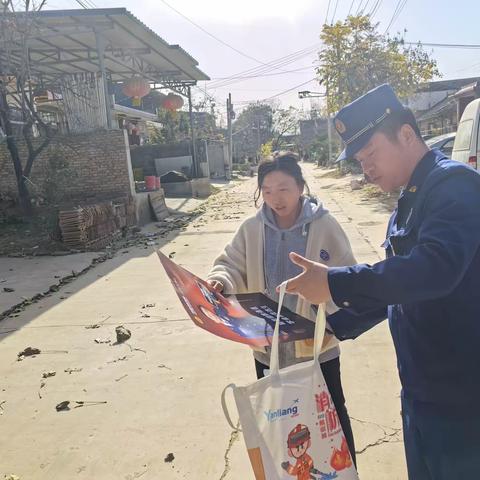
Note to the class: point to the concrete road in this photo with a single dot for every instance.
(162, 388)
(30, 276)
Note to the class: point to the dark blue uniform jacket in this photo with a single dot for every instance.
(428, 286)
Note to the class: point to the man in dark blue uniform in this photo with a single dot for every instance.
(428, 286)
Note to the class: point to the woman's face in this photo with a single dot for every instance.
(281, 193)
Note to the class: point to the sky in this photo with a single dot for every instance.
(260, 31)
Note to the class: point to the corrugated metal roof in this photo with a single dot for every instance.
(443, 85)
(469, 90)
(64, 41)
(447, 102)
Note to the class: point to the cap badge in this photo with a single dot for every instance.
(340, 126)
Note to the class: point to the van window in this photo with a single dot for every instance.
(448, 145)
(464, 135)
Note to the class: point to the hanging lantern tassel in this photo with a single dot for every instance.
(136, 88)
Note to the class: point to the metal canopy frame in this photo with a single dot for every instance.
(63, 42)
(110, 42)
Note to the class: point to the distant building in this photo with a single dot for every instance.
(439, 105)
(312, 130)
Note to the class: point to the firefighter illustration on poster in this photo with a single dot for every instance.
(298, 442)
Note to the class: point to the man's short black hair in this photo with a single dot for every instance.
(394, 122)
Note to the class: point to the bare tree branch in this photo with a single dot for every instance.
(34, 153)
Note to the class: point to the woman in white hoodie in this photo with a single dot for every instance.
(256, 260)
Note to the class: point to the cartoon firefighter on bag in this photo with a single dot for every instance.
(298, 443)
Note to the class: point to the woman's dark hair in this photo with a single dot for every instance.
(285, 162)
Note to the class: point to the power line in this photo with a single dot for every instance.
(365, 6)
(86, 4)
(350, 9)
(376, 8)
(289, 90)
(393, 16)
(212, 35)
(290, 58)
(255, 90)
(468, 46)
(204, 91)
(270, 65)
(359, 8)
(81, 4)
(328, 11)
(273, 65)
(427, 44)
(257, 74)
(334, 12)
(263, 64)
(277, 94)
(246, 77)
(400, 10)
(396, 13)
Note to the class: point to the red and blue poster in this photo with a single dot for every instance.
(247, 318)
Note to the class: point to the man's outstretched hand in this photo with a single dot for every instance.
(312, 283)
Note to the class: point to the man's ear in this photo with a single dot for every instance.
(290, 454)
(309, 443)
(406, 134)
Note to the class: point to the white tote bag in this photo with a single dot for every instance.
(289, 422)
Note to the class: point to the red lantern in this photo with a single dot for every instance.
(136, 88)
(172, 102)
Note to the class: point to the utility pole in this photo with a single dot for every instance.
(196, 167)
(258, 140)
(329, 129)
(100, 45)
(308, 94)
(230, 117)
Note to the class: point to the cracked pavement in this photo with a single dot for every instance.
(172, 373)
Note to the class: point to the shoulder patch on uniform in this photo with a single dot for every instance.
(324, 255)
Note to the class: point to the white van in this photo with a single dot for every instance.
(467, 142)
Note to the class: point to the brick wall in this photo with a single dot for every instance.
(98, 162)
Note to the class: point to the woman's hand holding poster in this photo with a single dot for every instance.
(246, 318)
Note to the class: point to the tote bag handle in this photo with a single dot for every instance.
(225, 408)
(320, 324)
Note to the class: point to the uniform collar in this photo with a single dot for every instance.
(422, 170)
